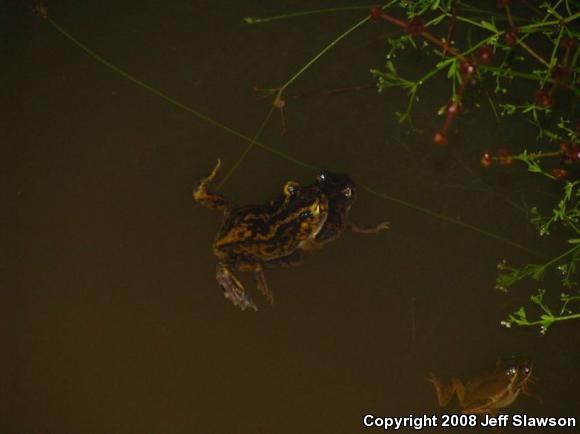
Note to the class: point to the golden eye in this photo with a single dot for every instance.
(347, 192)
(291, 188)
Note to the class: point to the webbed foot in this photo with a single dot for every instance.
(233, 288)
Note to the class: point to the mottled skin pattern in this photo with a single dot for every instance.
(258, 236)
(487, 393)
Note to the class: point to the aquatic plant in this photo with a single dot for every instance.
(566, 214)
(496, 50)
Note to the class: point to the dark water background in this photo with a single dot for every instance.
(112, 320)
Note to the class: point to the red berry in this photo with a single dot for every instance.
(376, 13)
(559, 173)
(484, 54)
(567, 42)
(452, 108)
(570, 153)
(439, 138)
(504, 157)
(543, 98)
(415, 27)
(466, 68)
(565, 147)
(511, 35)
(560, 72)
(486, 159)
(567, 159)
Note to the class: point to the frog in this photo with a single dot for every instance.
(490, 392)
(341, 192)
(254, 237)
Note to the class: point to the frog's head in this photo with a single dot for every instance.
(338, 187)
(516, 371)
(304, 209)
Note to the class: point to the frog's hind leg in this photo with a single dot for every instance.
(368, 229)
(444, 393)
(233, 288)
(291, 260)
(207, 199)
(263, 286)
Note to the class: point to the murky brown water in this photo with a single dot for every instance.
(112, 318)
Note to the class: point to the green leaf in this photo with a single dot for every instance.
(489, 26)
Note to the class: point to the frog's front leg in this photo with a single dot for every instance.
(233, 288)
(207, 199)
(368, 229)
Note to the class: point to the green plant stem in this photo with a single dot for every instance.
(526, 75)
(552, 318)
(447, 219)
(320, 54)
(562, 256)
(249, 147)
(257, 20)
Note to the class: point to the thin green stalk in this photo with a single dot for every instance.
(254, 20)
(552, 320)
(525, 75)
(560, 257)
(326, 49)
(450, 220)
(247, 150)
(320, 54)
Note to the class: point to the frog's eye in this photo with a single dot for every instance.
(305, 214)
(291, 188)
(511, 371)
(347, 192)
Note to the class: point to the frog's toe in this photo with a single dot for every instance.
(240, 298)
(233, 288)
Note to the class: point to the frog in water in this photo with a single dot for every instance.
(487, 393)
(257, 236)
(340, 190)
